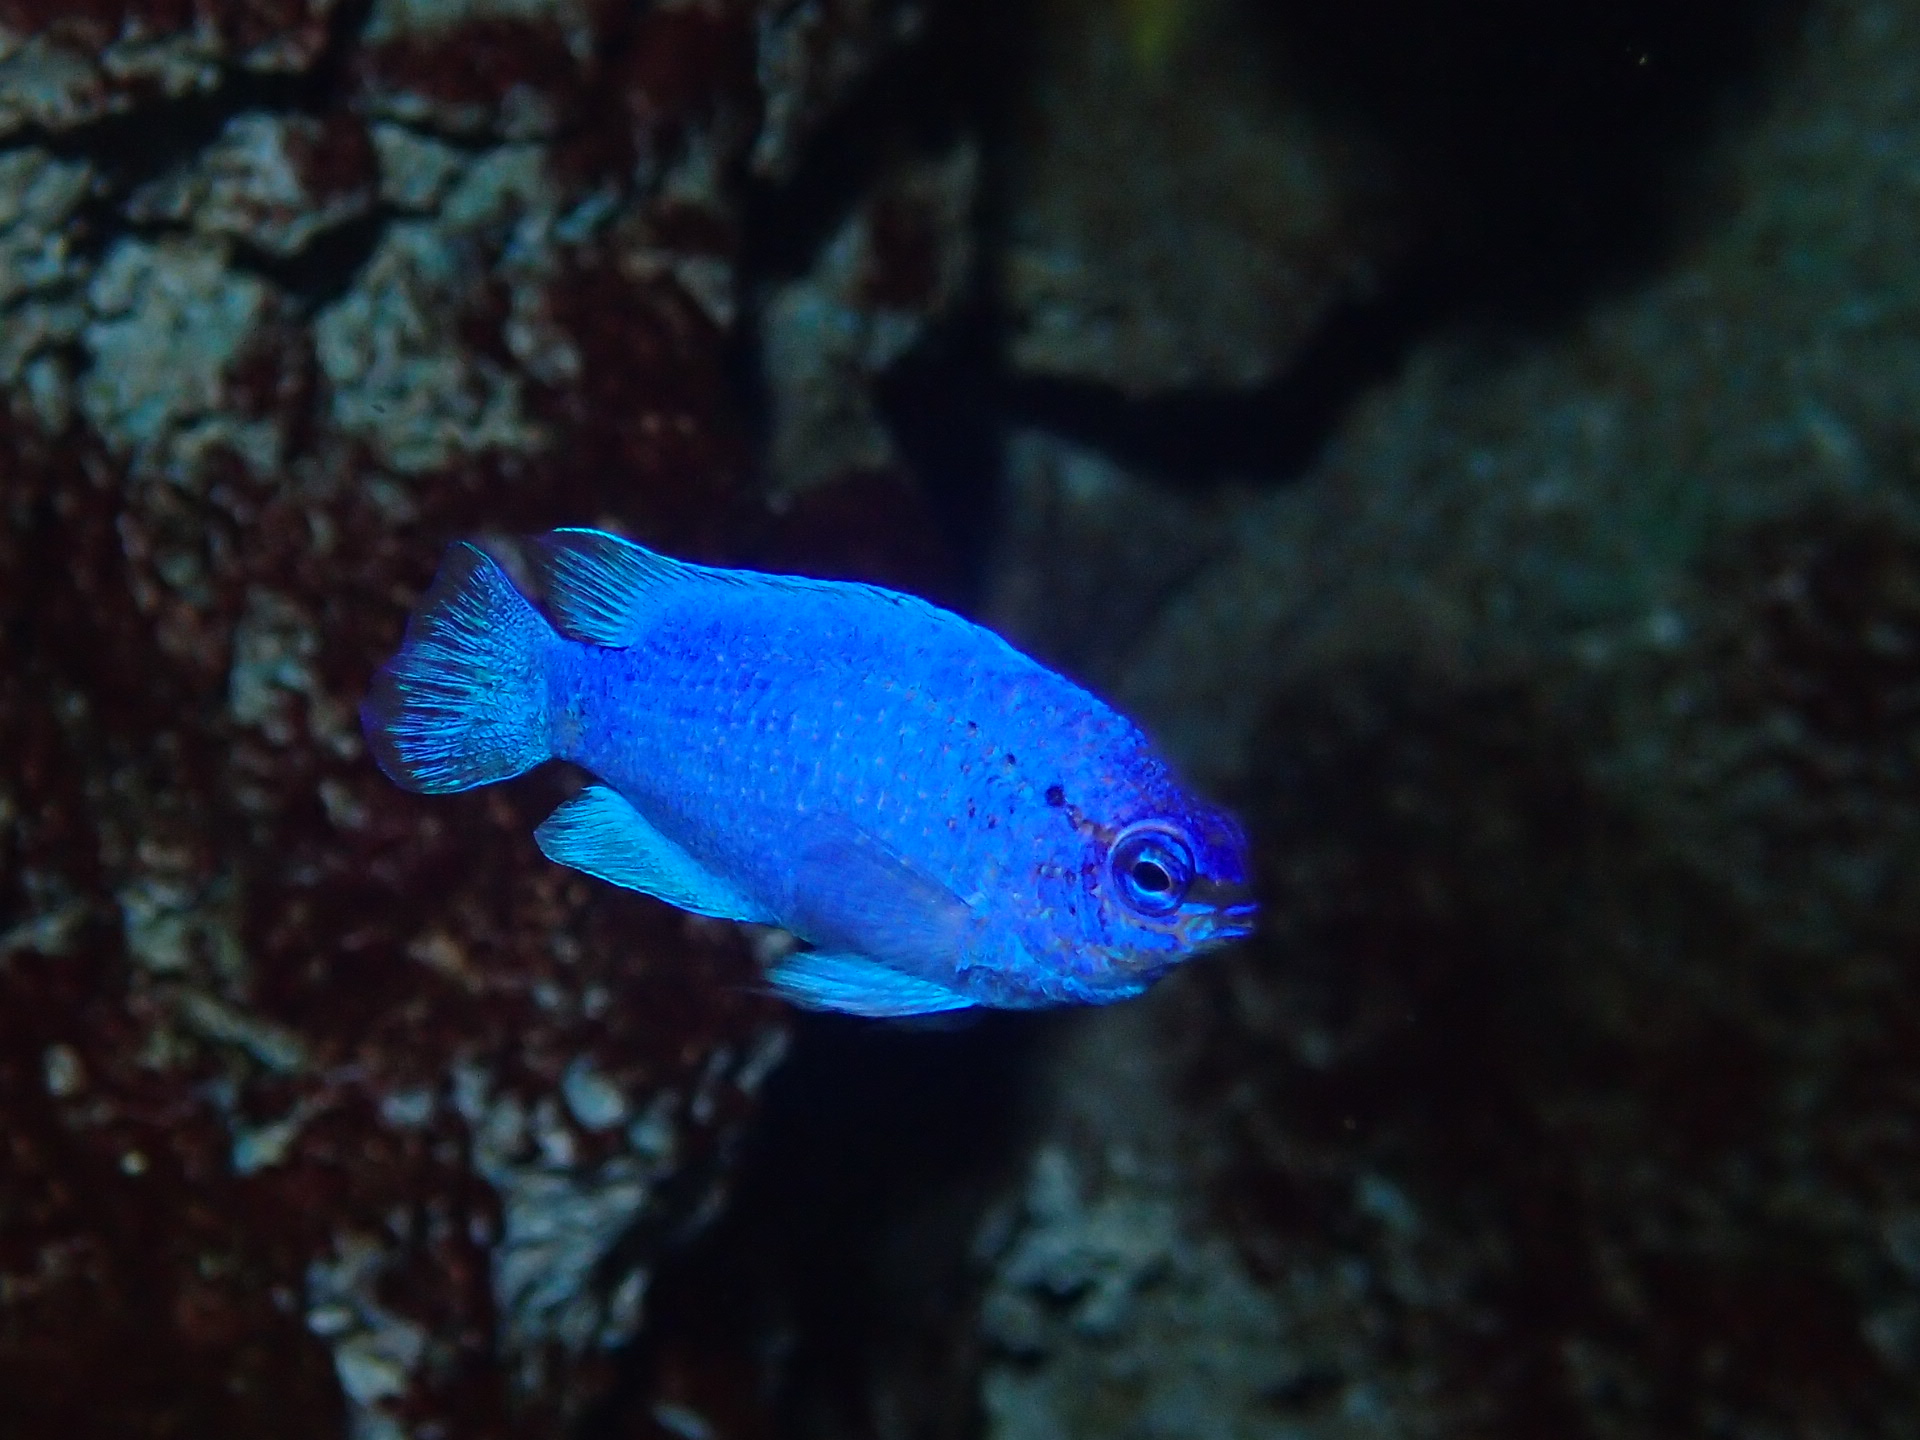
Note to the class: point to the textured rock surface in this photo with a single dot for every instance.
(67, 65)
(1569, 1089)
(896, 267)
(1114, 1307)
(271, 181)
(1177, 218)
(324, 1109)
(1571, 692)
(809, 55)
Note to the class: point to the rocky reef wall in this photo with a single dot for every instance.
(327, 1111)
(1569, 687)
(1479, 445)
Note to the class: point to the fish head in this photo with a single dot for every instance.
(1170, 882)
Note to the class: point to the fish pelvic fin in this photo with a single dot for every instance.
(464, 702)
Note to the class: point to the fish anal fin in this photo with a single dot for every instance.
(856, 985)
(601, 833)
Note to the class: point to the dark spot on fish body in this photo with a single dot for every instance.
(1011, 760)
(1056, 797)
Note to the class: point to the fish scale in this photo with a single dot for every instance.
(947, 822)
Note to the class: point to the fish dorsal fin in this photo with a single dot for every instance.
(599, 832)
(603, 589)
(852, 893)
(607, 591)
(855, 985)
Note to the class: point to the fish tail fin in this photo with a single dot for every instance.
(464, 701)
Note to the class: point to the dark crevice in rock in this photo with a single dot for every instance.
(324, 269)
(143, 140)
(839, 1272)
(132, 146)
(1541, 186)
(1548, 145)
(944, 405)
(954, 80)
(1273, 432)
(950, 84)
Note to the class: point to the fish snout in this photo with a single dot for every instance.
(1234, 922)
(1225, 911)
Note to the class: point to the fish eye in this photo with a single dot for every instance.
(1151, 876)
(1152, 868)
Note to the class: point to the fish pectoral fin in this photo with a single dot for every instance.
(856, 985)
(599, 832)
(852, 893)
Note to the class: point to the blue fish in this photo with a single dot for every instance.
(945, 821)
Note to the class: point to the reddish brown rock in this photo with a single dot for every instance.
(327, 1108)
(276, 182)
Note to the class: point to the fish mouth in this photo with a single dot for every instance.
(1235, 922)
(1230, 922)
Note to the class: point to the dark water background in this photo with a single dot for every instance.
(1479, 442)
